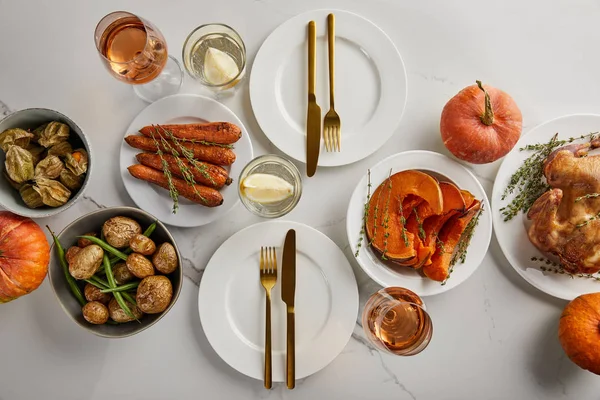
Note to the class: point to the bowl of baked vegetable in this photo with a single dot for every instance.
(115, 271)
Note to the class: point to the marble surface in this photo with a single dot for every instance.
(495, 336)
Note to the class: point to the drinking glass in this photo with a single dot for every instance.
(135, 52)
(278, 167)
(215, 55)
(395, 321)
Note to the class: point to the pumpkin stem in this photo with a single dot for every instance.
(488, 116)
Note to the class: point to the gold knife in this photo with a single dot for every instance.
(288, 292)
(313, 119)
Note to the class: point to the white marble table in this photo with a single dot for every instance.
(495, 336)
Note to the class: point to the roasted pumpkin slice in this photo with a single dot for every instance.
(386, 219)
(468, 197)
(424, 225)
(449, 235)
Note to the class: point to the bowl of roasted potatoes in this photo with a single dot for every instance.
(116, 271)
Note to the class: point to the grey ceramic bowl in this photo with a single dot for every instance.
(31, 118)
(92, 222)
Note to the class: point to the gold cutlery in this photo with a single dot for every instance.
(288, 291)
(332, 124)
(268, 277)
(313, 119)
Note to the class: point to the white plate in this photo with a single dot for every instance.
(370, 85)
(182, 109)
(512, 235)
(442, 167)
(231, 301)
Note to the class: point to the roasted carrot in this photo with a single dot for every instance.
(212, 154)
(204, 173)
(206, 196)
(213, 132)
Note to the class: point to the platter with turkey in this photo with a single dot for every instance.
(419, 220)
(546, 206)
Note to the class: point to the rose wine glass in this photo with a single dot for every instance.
(135, 52)
(395, 321)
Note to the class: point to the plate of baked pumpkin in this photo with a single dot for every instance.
(419, 220)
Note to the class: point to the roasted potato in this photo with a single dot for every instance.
(154, 294)
(118, 231)
(95, 312)
(122, 274)
(139, 265)
(71, 253)
(142, 244)
(92, 293)
(85, 242)
(86, 262)
(165, 258)
(118, 315)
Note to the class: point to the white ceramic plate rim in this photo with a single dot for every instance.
(325, 347)
(381, 50)
(512, 236)
(145, 197)
(440, 164)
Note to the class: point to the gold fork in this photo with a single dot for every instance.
(268, 277)
(332, 124)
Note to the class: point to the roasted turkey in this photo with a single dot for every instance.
(564, 221)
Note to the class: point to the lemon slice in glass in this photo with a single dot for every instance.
(266, 188)
(219, 67)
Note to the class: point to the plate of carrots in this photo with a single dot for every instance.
(180, 157)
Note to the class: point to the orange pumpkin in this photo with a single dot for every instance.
(24, 256)
(391, 203)
(579, 329)
(481, 124)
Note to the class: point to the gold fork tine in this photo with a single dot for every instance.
(274, 261)
(339, 138)
(262, 260)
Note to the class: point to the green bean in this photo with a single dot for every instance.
(99, 283)
(123, 288)
(149, 231)
(128, 297)
(60, 251)
(112, 284)
(106, 247)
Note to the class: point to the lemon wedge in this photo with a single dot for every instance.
(266, 188)
(219, 67)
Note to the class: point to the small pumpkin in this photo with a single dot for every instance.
(579, 331)
(481, 124)
(24, 256)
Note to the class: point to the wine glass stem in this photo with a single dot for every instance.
(167, 83)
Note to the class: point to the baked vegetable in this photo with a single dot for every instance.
(213, 132)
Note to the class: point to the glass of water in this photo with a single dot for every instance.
(215, 55)
(270, 186)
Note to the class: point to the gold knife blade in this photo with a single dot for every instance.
(288, 293)
(313, 119)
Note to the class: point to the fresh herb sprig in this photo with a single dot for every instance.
(528, 183)
(365, 214)
(460, 254)
(165, 167)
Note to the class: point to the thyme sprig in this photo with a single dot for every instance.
(419, 224)
(587, 196)
(365, 214)
(460, 255)
(528, 183)
(185, 171)
(403, 222)
(587, 221)
(188, 155)
(555, 268)
(165, 167)
(386, 218)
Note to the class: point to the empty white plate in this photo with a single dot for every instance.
(370, 85)
(231, 301)
(183, 109)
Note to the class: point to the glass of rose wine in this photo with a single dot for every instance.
(395, 321)
(135, 52)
